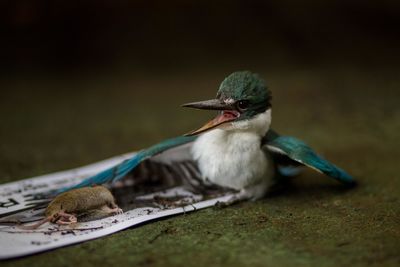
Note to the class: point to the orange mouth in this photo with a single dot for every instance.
(224, 117)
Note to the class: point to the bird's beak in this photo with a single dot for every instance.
(228, 114)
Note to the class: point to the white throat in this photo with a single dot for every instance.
(232, 157)
(258, 125)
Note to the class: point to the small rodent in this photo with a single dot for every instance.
(66, 206)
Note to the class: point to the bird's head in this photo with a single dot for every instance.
(241, 98)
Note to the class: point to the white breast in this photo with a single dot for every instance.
(233, 157)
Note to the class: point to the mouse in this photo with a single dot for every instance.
(65, 208)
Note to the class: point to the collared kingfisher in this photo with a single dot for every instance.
(237, 149)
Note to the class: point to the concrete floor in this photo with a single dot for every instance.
(348, 114)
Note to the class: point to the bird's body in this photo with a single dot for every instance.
(237, 149)
(234, 158)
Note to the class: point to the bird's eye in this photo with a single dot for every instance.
(242, 104)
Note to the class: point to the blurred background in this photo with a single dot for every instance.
(84, 80)
(158, 35)
(81, 81)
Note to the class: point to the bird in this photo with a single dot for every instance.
(237, 149)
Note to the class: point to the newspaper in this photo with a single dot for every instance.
(20, 202)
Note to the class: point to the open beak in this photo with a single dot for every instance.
(228, 113)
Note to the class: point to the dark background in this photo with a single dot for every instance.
(154, 35)
(81, 81)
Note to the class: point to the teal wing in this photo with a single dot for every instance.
(119, 171)
(298, 151)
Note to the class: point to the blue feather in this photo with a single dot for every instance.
(289, 171)
(294, 148)
(119, 171)
(299, 151)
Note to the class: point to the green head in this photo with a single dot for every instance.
(249, 92)
(241, 96)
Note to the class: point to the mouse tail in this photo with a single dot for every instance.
(33, 226)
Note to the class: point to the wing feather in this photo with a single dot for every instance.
(121, 170)
(300, 152)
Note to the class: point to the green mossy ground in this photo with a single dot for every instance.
(350, 116)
